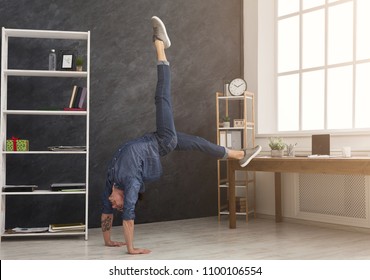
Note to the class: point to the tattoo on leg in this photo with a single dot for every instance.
(106, 224)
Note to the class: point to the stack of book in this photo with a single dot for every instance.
(77, 100)
(66, 227)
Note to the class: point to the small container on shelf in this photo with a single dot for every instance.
(16, 144)
(52, 60)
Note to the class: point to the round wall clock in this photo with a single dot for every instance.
(237, 87)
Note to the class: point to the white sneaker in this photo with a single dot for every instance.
(159, 32)
(249, 154)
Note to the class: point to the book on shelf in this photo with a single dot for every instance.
(68, 187)
(82, 99)
(78, 98)
(76, 101)
(73, 190)
(19, 188)
(73, 96)
(67, 227)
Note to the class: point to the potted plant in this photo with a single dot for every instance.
(277, 146)
(79, 63)
(226, 120)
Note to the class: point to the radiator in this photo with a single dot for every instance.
(338, 199)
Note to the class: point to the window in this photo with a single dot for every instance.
(323, 64)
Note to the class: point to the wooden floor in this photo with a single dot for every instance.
(202, 239)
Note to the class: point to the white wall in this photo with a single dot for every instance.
(259, 65)
(259, 62)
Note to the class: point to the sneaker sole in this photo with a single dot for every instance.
(252, 157)
(166, 40)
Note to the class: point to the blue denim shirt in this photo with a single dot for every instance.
(134, 164)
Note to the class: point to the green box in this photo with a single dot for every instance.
(17, 145)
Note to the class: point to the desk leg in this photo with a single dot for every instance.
(232, 200)
(278, 212)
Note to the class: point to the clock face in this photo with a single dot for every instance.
(237, 87)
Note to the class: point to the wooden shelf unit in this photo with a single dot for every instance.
(245, 108)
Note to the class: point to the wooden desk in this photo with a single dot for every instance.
(333, 165)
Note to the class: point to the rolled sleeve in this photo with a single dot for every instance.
(131, 194)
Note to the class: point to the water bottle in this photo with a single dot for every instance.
(52, 60)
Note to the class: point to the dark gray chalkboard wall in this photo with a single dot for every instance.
(206, 50)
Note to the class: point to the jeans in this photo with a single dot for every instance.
(167, 137)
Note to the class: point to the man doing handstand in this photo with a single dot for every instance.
(138, 161)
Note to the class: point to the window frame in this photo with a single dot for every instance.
(326, 67)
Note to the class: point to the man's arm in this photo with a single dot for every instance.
(106, 225)
(128, 233)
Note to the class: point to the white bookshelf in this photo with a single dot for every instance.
(5, 112)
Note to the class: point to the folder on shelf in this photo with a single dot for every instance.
(27, 230)
(223, 138)
(67, 186)
(67, 227)
(236, 140)
(19, 188)
(226, 139)
(73, 190)
(67, 148)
